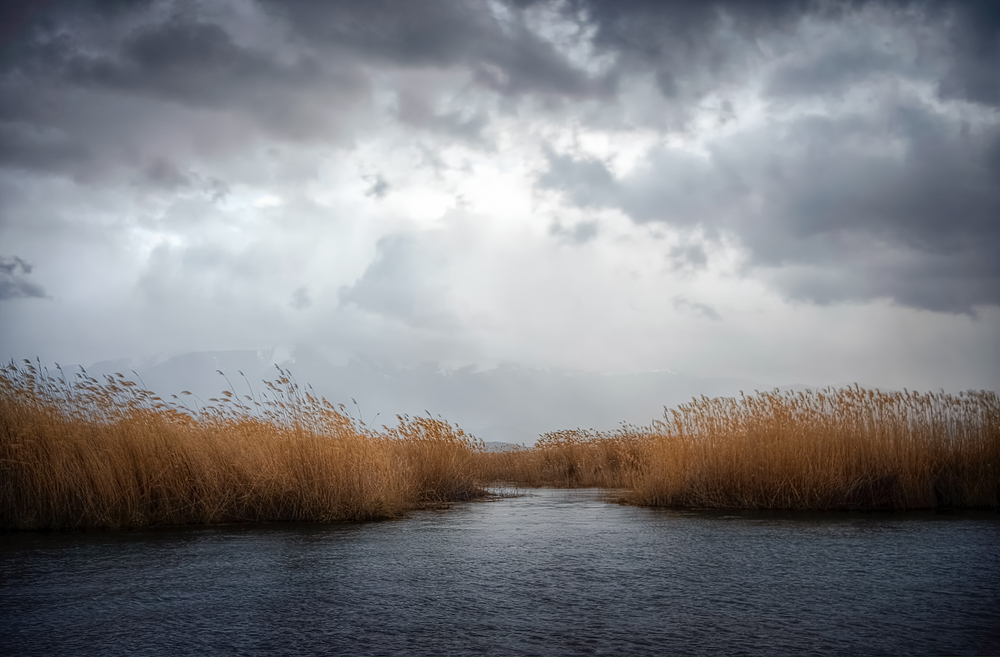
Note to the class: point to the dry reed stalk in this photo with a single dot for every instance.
(570, 459)
(84, 453)
(832, 449)
(88, 454)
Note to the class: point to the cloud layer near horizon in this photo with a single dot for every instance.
(775, 190)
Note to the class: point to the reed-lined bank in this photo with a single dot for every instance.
(834, 449)
(76, 452)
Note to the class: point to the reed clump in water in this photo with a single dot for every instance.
(572, 458)
(833, 449)
(82, 453)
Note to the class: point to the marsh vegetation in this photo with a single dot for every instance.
(83, 453)
(845, 448)
(78, 452)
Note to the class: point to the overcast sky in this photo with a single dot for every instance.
(779, 191)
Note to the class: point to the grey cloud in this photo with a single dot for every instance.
(688, 46)
(13, 284)
(688, 256)
(936, 282)
(586, 180)
(163, 173)
(400, 283)
(675, 187)
(975, 40)
(40, 148)
(502, 53)
(73, 74)
(223, 276)
(692, 46)
(379, 187)
(580, 233)
(199, 64)
(827, 73)
(85, 85)
(301, 298)
(67, 68)
(683, 304)
(217, 189)
(902, 204)
(415, 110)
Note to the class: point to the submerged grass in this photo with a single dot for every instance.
(84, 453)
(77, 452)
(834, 449)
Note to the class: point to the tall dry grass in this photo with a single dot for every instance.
(570, 459)
(77, 452)
(832, 449)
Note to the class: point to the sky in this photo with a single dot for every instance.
(786, 192)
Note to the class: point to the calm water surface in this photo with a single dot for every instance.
(553, 572)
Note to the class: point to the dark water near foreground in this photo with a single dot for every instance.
(555, 572)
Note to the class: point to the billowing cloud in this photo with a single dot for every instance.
(580, 233)
(900, 205)
(14, 282)
(865, 169)
(405, 282)
(596, 184)
(684, 304)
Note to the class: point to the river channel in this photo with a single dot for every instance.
(550, 572)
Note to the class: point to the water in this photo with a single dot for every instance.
(554, 572)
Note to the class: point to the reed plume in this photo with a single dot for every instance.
(833, 449)
(83, 453)
(78, 452)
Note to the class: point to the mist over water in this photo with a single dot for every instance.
(552, 572)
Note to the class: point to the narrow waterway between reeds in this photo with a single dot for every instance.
(552, 572)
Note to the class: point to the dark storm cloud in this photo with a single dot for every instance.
(897, 201)
(973, 73)
(688, 46)
(164, 173)
(500, 50)
(66, 66)
(692, 46)
(900, 201)
(828, 73)
(72, 72)
(903, 204)
(415, 110)
(13, 281)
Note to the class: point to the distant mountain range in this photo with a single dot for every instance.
(508, 404)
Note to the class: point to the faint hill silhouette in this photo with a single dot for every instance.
(509, 403)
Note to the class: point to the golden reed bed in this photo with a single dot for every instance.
(82, 453)
(833, 449)
(76, 452)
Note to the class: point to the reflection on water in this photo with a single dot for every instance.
(552, 572)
